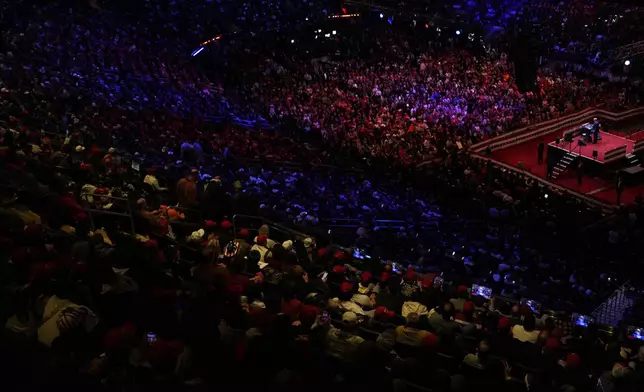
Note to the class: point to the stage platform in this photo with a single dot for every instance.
(593, 186)
(608, 148)
(621, 148)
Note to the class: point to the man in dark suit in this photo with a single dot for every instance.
(596, 127)
(540, 148)
(619, 187)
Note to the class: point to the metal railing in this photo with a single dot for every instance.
(91, 211)
(193, 214)
(606, 312)
(255, 222)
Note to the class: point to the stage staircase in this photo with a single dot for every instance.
(633, 160)
(616, 307)
(562, 165)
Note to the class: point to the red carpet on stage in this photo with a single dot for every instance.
(607, 143)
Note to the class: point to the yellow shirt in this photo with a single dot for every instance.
(152, 180)
(410, 336)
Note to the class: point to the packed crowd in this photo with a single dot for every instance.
(193, 304)
(588, 27)
(123, 267)
(440, 100)
(407, 109)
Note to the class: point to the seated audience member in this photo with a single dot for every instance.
(466, 316)
(382, 317)
(260, 246)
(619, 378)
(571, 374)
(462, 297)
(346, 295)
(152, 218)
(410, 285)
(366, 285)
(482, 356)
(60, 315)
(343, 342)
(381, 322)
(515, 315)
(151, 180)
(387, 296)
(265, 231)
(430, 296)
(413, 306)
(442, 321)
(526, 332)
(410, 334)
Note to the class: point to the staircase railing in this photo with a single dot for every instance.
(611, 311)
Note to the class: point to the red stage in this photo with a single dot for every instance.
(603, 190)
(621, 148)
(609, 143)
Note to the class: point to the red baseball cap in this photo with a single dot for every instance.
(346, 287)
(573, 360)
(552, 344)
(430, 341)
(291, 307)
(339, 269)
(504, 323)
(226, 225)
(382, 312)
(308, 314)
